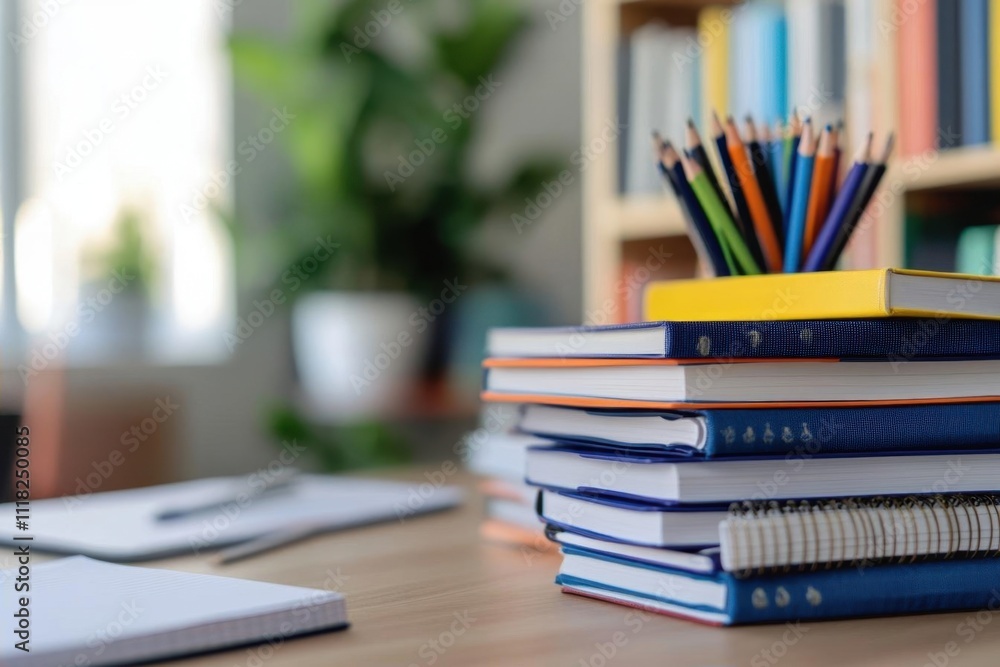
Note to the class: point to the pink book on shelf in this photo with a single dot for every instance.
(918, 77)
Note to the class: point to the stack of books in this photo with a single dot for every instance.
(771, 448)
(497, 454)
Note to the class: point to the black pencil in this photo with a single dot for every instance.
(706, 244)
(697, 151)
(766, 181)
(853, 216)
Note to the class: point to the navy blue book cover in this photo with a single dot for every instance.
(887, 339)
(848, 592)
(949, 76)
(946, 427)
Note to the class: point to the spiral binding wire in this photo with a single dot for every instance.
(903, 524)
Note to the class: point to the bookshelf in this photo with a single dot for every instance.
(618, 229)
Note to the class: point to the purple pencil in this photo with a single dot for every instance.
(828, 232)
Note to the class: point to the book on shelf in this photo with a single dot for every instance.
(916, 41)
(973, 41)
(660, 94)
(949, 75)
(994, 70)
(976, 251)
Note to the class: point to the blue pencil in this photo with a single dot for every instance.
(800, 199)
(836, 219)
(791, 158)
(702, 235)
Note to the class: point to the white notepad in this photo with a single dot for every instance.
(122, 525)
(85, 612)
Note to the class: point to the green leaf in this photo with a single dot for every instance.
(476, 50)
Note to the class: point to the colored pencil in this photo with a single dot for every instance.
(761, 219)
(762, 171)
(836, 136)
(739, 201)
(704, 254)
(714, 254)
(718, 216)
(700, 156)
(800, 199)
(873, 176)
(819, 191)
(792, 138)
(815, 261)
(777, 150)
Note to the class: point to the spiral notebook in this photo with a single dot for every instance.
(770, 536)
(801, 560)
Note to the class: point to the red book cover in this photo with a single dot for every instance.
(918, 75)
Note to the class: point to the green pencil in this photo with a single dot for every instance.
(718, 216)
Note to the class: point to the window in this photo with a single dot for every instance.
(124, 119)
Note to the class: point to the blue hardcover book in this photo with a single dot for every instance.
(818, 431)
(893, 339)
(632, 522)
(949, 79)
(771, 94)
(701, 561)
(724, 599)
(974, 19)
(666, 480)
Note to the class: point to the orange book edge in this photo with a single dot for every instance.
(497, 488)
(494, 530)
(587, 402)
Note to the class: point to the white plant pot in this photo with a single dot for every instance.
(357, 354)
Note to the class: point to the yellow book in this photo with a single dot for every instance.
(994, 68)
(713, 32)
(825, 295)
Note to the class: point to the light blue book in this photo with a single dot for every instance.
(975, 254)
(975, 58)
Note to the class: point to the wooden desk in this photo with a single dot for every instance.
(409, 584)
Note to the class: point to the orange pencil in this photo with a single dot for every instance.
(755, 198)
(819, 190)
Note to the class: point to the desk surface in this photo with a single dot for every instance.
(429, 591)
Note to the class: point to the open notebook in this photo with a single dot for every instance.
(122, 525)
(85, 612)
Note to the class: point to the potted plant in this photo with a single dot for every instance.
(116, 291)
(379, 136)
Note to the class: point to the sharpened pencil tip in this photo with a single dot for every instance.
(889, 143)
(690, 122)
